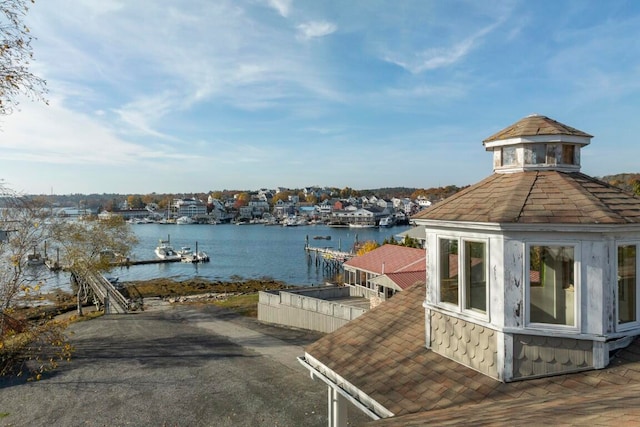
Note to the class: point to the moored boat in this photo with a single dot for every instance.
(387, 221)
(185, 220)
(164, 250)
(361, 225)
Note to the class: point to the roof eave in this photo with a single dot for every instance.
(526, 139)
(528, 227)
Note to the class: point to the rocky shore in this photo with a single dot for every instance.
(168, 288)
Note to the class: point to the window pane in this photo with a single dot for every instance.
(535, 154)
(568, 154)
(627, 283)
(475, 276)
(551, 291)
(449, 271)
(509, 156)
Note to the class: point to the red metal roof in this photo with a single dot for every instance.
(390, 259)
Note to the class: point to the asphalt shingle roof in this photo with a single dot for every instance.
(538, 197)
(535, 125)
(383, 353)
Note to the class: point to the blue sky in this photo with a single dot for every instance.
(197, 95)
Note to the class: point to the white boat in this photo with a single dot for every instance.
(165, 251)
(185, 220)
(202, 256)
(362, 225)
(187, 255)
(294, 221)
(387, 221)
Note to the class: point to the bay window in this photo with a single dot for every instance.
(627, 294)
(551, 285)
(463, 274)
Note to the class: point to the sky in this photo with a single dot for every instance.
(199, 95)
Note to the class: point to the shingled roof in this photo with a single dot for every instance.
(531, 197)
(535, 125)
(382, 353)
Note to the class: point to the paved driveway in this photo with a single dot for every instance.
(176, 366)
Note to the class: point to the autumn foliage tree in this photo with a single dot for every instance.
(27, 344)
(367, 246)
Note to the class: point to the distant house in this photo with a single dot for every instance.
(361, 216)
(188, 207)
(531, 309)
(131, 213)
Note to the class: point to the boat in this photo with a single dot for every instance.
(361, 225)
(187, 255)
(387, 221)
(322, 237)
(185, 220)
(202, 256)
(166, 252)
(35, 258)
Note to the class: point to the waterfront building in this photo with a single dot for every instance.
(188, 207)
(531, 301)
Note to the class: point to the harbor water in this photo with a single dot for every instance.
(240, 252)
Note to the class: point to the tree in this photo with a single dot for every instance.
(94, 242)
(37, 345)
(25, 344)
(242, 199)
(15, 58)
(367, 246)
(135, 201)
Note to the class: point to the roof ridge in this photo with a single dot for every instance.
(526, 199)
(405, 268)
(601, 202)
(500, 212)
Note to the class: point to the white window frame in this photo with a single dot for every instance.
(636, 323)
(460, 307)
(577, 285)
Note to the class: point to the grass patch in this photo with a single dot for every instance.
(246, 305)
(4, 414)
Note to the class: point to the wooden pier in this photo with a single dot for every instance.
(129, 262)
(329, 259)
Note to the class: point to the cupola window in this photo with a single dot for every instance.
(535, 154)
(568, 154)
(509, 156)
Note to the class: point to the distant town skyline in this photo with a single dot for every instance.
(151, 97)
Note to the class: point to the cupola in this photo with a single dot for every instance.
(537, 143)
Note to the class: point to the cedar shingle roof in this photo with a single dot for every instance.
(390, 259)
(531, 197)
(383, 353)
(535, 125)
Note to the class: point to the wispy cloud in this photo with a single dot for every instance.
(283, 7)
(315, 29)
(440, 57)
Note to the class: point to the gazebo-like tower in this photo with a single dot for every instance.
(533, 271)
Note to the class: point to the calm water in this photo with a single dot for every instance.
(246, 251)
